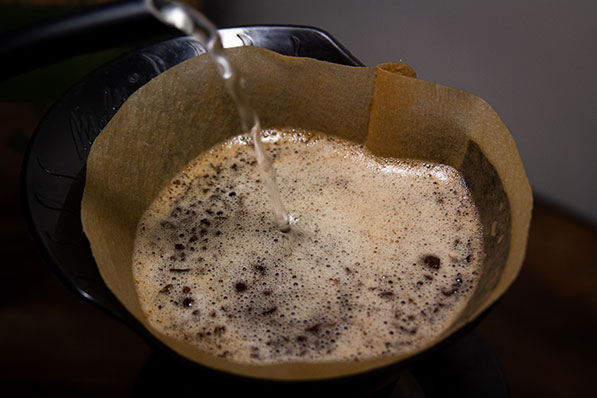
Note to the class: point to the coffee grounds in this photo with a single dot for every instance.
(382, 255)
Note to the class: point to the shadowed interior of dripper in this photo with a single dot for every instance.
(185, 111)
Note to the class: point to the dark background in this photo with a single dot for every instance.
(543, 331)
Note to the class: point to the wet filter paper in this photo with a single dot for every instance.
(185, 111)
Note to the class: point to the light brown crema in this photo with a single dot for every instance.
(382, 256)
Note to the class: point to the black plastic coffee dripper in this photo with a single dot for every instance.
(53, 179)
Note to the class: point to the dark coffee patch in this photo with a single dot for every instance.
(166, 289)
(313, 329)
(431, 261)
(240, 287)
(269, 311)
(448, 291)
(219, 330)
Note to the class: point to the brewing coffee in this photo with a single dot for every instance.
(382, 256)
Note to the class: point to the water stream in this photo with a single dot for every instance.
(191, 22)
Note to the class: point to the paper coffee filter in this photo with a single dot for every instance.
(185, 111)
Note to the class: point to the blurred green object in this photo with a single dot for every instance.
(44, 85)
(17, 141)
(14, 16)
(49, 82)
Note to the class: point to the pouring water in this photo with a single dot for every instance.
(191, 22)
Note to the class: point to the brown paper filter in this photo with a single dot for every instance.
(185, 111)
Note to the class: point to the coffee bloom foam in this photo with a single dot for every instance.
(382, 256)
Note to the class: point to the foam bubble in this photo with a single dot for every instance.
(382, 256)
